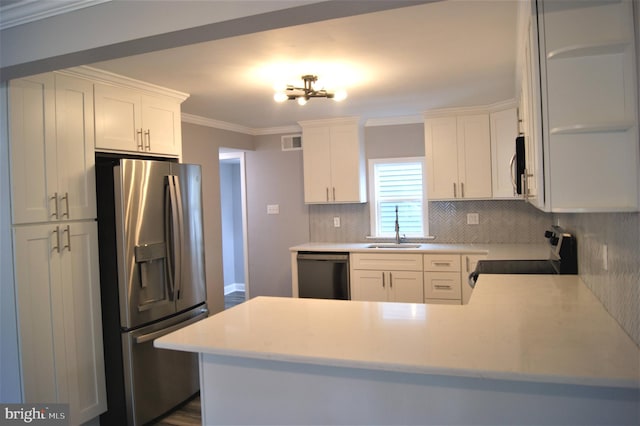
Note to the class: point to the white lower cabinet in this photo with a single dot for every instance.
(58, 292)
(442, 283)
(384, 277)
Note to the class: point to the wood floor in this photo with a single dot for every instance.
(233, 299)
(187, 415)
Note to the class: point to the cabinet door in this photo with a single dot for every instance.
(58, 292)
(117, 118)
(406, 286)
(75, 153)
(442, 285)
(316, 164)
(504, 130)
(369, 286)
(474, 156)
(33, 148)
(161, 126)
(532, 118)
(80, 285)
(39, 301)
(346, 174)
(442, 157)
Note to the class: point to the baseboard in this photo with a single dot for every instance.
(233, 287)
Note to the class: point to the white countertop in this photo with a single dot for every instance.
(542, 328)
(494, 251)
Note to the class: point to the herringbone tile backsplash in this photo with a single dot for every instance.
(500, 222)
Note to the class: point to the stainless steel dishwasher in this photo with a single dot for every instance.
(323, 275)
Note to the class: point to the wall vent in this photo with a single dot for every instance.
(291, 142)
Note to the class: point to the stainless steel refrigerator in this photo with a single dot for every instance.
(152, 282)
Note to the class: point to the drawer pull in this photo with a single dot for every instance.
(442, 263)
(442, 287)
(383, 280)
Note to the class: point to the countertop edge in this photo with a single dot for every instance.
(404, 368)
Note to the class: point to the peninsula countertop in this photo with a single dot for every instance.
(494, 251)
(538, 328)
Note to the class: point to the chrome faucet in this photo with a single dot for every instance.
(398, 239)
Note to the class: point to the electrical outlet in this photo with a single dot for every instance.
(605, 257)
(473, 218)
(336, 221)
(273, 209)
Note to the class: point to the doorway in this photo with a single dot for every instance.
(234, 227)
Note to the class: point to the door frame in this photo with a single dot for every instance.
(240, 156)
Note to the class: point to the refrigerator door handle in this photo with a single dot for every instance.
(156, 334)
(168, 234)
(180, 220)
(173, 228)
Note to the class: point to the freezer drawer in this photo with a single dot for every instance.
(158, 379)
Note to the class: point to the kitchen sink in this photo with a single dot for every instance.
(393, 246)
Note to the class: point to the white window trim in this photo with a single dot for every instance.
(372, 194)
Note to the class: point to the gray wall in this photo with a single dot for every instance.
(200, 145)
(274, 177)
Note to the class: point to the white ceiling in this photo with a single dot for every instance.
(396, 63)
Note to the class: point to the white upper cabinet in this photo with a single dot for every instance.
(333, 161)
(132, 121)
(589, 105)
(52, 156)
(458, 151)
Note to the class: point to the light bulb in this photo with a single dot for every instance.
(340, 95)
(302, 101)
(280, 97)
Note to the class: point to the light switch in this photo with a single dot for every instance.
(336, 221)
(273, 209)
(473, 218)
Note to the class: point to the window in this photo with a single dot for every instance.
(398, 182)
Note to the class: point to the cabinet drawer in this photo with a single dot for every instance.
(442, 262)
(442, 285)
(387, 262)
(442, 301)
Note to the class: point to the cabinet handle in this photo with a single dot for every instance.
(390, 280)
(139, 140)
(383, 280)
(512, 172)
(327, 193)
(442, 287)
(68, 231)
(442, 263)
(334, 193)
(66, 203)
(57, 246)
(461, 189)
(148, 139)
(55, 204)
(455, 195)
(466, 259)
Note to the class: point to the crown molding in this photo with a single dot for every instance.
(232, 127)
(479, 109)
(102, 76)
(25, 11)
(394, 121)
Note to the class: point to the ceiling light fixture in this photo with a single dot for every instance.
(303, 94)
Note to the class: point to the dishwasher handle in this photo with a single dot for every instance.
(332, 256)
